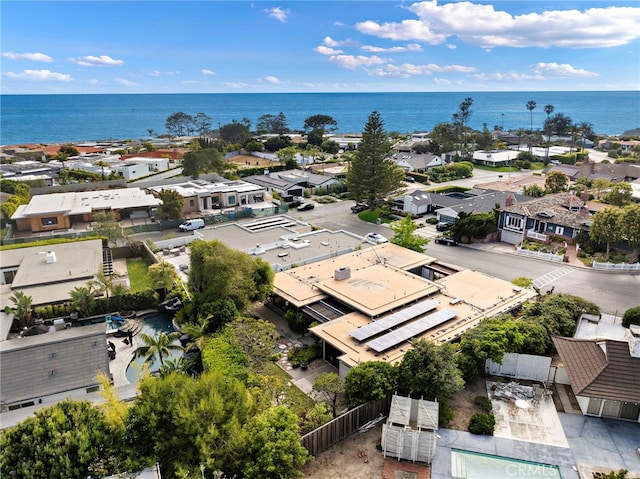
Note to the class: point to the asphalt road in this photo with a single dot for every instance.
(613, 292)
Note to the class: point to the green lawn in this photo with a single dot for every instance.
(298, 401)
(137, 269)
(372, 216)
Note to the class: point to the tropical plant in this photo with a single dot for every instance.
(83, 299)
(531, 105)
(160, 346)
(22, 307)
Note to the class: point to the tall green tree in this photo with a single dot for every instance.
(330, 386)
(255, 337)
(160, 346)
(556, 182)
(22, 307)
(236, 131)
(287, 156)
(404, 235)
(163, 275)
(172, 203)
(320, 121)
(57, 442)
(531, 105)
(202, 123)
(620, 194)
(443, 138)
(273, 124)
(460, 120)
(218, 271)
(369, 381)
(427, 371)
(373, 174)
(273, 448)
(630, 227)
(179, 124)
(108, 226)
(205, 160)
(606, 227)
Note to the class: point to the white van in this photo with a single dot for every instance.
(191, 225)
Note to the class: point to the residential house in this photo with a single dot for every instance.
(373, 303)
(59, 361)
(63, 211)
(48, 273)
(494, 158)
(604, 374)
(139, 167)
(202, 197)
(562, 215)
(291, 182)
(418, 162)
(613, 172)
(624, 145)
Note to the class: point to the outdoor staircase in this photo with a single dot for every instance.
(107, 261)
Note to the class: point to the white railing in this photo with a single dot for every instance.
(616, 267)
(557, 258)
(537, 236)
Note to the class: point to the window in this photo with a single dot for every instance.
(192, 203)
(594, 407)
(514, 222)
(232, 200)
(49, 221)
(559, 230)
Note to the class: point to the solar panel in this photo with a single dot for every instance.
(395, 319)
(412, 330)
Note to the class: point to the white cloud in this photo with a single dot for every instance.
(507, 77)
(327, 51)
(483, 26)
(155, 73)
(205, 71)
(36, 57)
(97, 61)
(441, 81)
(353, 62)
(406, 70)
(562, 69)
(271, 79)
(236, 85)
(278, 13)
(125, 82)
(338, 24)
(411, 47)
(39, 75)
(330, 42)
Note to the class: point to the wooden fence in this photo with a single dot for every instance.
(343, 426)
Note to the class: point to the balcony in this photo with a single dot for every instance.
(531, 234)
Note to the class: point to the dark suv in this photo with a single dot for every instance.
(358, 207)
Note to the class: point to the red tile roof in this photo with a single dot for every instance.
(600, 369)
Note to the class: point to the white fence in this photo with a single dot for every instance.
(619, 267)
(521, 366)
(557, 258)
(177, 242)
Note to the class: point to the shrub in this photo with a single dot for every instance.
(631, 316)
(303, 355)
(298, 322)
(483, 402)
(445, 414)
(482, 424)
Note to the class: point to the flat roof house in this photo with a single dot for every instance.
(203, 197)
(60, 211)
(372, 303)
(48, 273)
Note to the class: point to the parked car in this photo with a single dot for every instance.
(358, 207)
(376, 238)
(442, 226)
(306, 206)
(410, 179)
(446, 240)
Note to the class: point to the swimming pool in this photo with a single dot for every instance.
(152, 324)
(473, 465)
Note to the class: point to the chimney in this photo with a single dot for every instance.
(509, 201)
(341, 274)
(633, 338)
(584, 196)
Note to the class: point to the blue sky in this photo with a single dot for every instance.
(318, 46)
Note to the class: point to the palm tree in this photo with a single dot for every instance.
(573, 129)
(198, 332)
(548, 109)
(531, 105)
(83, 299)
(586, 129)
(160, 346)
(22, 307)
(103, 283)
(101, 164)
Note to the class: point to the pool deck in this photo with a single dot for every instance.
(595, 444)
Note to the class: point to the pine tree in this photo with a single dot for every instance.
(373, 174)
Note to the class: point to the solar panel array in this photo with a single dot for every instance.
(412, 330)
(385, 324)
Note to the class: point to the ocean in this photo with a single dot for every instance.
(74, 118)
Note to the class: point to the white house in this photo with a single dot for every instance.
(139, 167)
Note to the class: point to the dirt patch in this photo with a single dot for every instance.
(247, 161)
(463, 405)
(354, 457)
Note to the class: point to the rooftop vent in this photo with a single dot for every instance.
(51, 257)
(341, 274)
